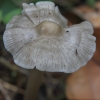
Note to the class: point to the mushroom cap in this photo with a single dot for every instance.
(41, 38)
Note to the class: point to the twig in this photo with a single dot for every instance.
(13, 67)
(4, 92)
(11, 87)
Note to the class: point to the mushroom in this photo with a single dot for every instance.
(40, 38)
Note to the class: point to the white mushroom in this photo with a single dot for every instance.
(41, 38)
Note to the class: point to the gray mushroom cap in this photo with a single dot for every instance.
(41, 38)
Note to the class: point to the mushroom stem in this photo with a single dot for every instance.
(33, 84)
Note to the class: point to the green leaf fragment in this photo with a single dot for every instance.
(8, 16)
